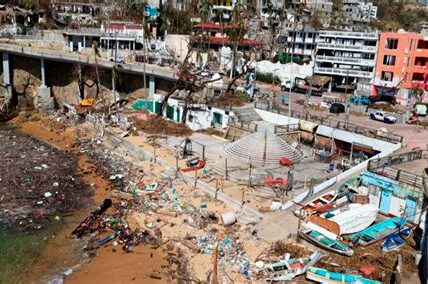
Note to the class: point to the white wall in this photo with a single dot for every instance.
(275, 118)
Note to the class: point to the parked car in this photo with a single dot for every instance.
(285, 85)
(337, 108)
(380, 116)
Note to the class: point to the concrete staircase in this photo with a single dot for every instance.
(246, 114)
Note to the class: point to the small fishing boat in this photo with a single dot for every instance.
(324, 239)
(194, 166)
(324, 276)
(319, 204)
(378, 232)
(287, 269)
(353, 218)
(397, 240)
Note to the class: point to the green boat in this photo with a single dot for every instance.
(378, 232)
(324, 276)
(328, 243)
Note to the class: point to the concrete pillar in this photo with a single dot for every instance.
(6, 78)
(84, 41)
(152, 86)
(42, 71)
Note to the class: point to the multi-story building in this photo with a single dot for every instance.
(402, 64)
(302, 42)
(360, 11)
(349, 57)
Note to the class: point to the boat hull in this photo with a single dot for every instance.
(354, 217)
(305, 235)
(378, 232)
(324, 276)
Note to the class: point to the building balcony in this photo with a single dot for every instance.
(360, 48)
(357, 35)
(338, 59)
(344, 72)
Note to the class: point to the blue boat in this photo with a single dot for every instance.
(324, 276)
(397, 240)
(378, 232)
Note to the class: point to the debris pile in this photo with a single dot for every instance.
(158, 125)
(38, 187)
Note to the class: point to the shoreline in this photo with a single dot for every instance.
(62, 253)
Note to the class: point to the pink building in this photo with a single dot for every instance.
(402, 64)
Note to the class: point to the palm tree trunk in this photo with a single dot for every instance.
(97, 73)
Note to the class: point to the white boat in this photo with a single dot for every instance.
(353, 218)
(287, 269)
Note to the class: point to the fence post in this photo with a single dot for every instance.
(203, 152)
(225, 169)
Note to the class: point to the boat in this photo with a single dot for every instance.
(200, 164)
(319, 204)
(321, 275)
(397, 240)
(378, 232)
(287, 269)
(324, 239)
(353, 218)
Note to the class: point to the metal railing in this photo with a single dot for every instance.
(383, 166)
(369, 132)
(345, 72)
(360, 61)
(362, 48)
(284, 129)
(162, 72)
(340, 34)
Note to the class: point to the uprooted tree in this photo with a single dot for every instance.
(190, 82)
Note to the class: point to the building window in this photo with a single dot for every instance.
(389, 60)
(422, 44)
(387, 76)
(418, 77)
(391, 43)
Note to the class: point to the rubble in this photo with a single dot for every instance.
(157, 125)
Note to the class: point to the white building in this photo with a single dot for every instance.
(349, 57)
(121, 35)
(360, 11)
(302, 41)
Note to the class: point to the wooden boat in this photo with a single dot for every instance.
(319, 204)
(324, 276)
(287, 269)
(397, 240)
(324, 239)
(353, 218)
(378, 232)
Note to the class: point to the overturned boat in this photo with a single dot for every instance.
(353, 218)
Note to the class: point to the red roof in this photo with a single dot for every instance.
(225, 40)
(210, 26)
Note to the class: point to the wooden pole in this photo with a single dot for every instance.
(216, 188)
(176, 166)
(214, 279)
(225, 169)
